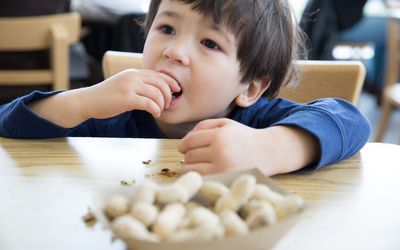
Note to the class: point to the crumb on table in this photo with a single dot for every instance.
(89, 218)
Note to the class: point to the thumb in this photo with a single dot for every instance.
(210, 124)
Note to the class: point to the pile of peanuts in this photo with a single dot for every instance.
(169, 213)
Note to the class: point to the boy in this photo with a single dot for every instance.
(206, 65)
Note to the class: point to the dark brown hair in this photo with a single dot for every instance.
(266, 33)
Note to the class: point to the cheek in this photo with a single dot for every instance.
(221, 79)
(217, 85)
(146, 58)
(150, 53)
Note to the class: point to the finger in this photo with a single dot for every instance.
(153, 93)
(164, 90)
(158, 79)
(162, 79)
(171, 88)
(195, 139)
(147, 104)
(203, 168)
(172, 83)
(198, 155)
(161, 82)
(210, 124)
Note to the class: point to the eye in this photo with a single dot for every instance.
(167, 29)
(210, 44)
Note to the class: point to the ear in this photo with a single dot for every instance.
(252, 92)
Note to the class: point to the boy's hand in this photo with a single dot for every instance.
(131, 89)
(219, 145)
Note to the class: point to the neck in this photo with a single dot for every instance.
(175, 131)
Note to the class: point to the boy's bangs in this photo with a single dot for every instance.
(208, 8)
(216, 10)
(227, 12)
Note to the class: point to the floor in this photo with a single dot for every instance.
(368, 106)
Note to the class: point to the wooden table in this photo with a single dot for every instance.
(46, 187)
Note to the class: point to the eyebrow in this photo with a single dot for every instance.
(169, 14)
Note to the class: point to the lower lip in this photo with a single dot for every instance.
(173, 102)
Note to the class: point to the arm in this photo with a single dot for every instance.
(128, 90)
(48, 115)
(282, 137)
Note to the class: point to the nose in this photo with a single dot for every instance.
(177, 52)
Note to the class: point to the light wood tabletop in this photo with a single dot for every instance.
(46, 186)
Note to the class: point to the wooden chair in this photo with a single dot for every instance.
(54, 32)
(391, 90)
(342, 79)
(116, 61)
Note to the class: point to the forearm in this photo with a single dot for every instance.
(340, 128)
(287, 149)
(66, 109)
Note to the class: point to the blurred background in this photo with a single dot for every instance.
(335, 29)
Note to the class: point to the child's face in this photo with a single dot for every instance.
(201, 57)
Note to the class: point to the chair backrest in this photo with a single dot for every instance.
(54, 32)
(341, 79)
(393, 51)
(116, 61)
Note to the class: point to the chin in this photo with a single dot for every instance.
(174, 118)
(169, 117)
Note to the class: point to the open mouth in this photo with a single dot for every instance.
(177, 94)
(175, 99)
